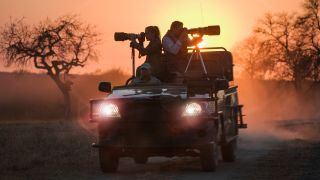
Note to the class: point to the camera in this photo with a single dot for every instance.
(210, 30)
(121, 36)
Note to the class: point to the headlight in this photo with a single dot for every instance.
(103, 110)
(192, 109)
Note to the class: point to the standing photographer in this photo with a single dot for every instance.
(152, 51)
(175, 44)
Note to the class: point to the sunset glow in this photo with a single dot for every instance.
(236, 19)
(203, 43)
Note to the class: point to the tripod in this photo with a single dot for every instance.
(133, 62)
(133, 58)
(133, 66)
(196, 52)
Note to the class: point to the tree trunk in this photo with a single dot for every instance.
(67, 104)
(297, 81)
(65, 90)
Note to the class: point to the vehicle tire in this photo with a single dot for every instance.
(209, 157)
(109, 159)
(140, 156)
(228, 151)
(140, 159)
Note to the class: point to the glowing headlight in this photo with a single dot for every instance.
(192, 109)
(105, 110)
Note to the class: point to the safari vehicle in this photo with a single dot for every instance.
(193, 118)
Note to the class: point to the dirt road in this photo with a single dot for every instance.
(59, 150)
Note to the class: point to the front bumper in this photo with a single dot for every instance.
(185, 133)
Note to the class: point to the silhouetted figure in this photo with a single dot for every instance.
(175, 43)
(145, 76)
(152, 51)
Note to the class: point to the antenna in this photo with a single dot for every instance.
(202, 18)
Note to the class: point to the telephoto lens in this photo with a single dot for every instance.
(120, 36)
(210, 30)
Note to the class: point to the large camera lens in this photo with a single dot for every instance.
(210, 30)
(120, 36)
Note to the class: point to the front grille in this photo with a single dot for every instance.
(150, 111)
(146, 121)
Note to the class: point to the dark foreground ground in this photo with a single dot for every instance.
(61, 150)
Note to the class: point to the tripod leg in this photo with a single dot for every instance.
(189, 61)
(202, 64)
(133, 62)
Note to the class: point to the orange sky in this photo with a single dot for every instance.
(236, 18)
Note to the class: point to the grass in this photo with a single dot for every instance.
(44, 150)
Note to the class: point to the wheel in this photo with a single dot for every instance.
(209, 157)
(228, 151)
(109, 159)
(140, 159)
(140, 156)
(235, 115)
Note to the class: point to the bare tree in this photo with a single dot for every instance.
(254, 58)
(286, 45)
(308, 24)
(53, 46)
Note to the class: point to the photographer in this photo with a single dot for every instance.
(152, 51)
(145, 77)
(175, 44)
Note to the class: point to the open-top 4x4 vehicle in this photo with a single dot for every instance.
(192, 118)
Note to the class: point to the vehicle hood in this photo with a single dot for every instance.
(140, 92)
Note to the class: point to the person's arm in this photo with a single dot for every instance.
(170, 46)
(152, 48)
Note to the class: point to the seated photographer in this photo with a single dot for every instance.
(152, 51)
(175, 43)
(145, 76)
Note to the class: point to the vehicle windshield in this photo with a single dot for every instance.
(126, 91)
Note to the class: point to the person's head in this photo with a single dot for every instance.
(145, 71)
(176, 28)
(152, 33)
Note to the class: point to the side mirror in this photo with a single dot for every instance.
(105, 87)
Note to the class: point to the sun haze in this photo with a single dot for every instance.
(236, 19)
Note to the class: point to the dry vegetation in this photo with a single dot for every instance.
(35, 96)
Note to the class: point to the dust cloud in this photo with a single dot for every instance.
(276, 111)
